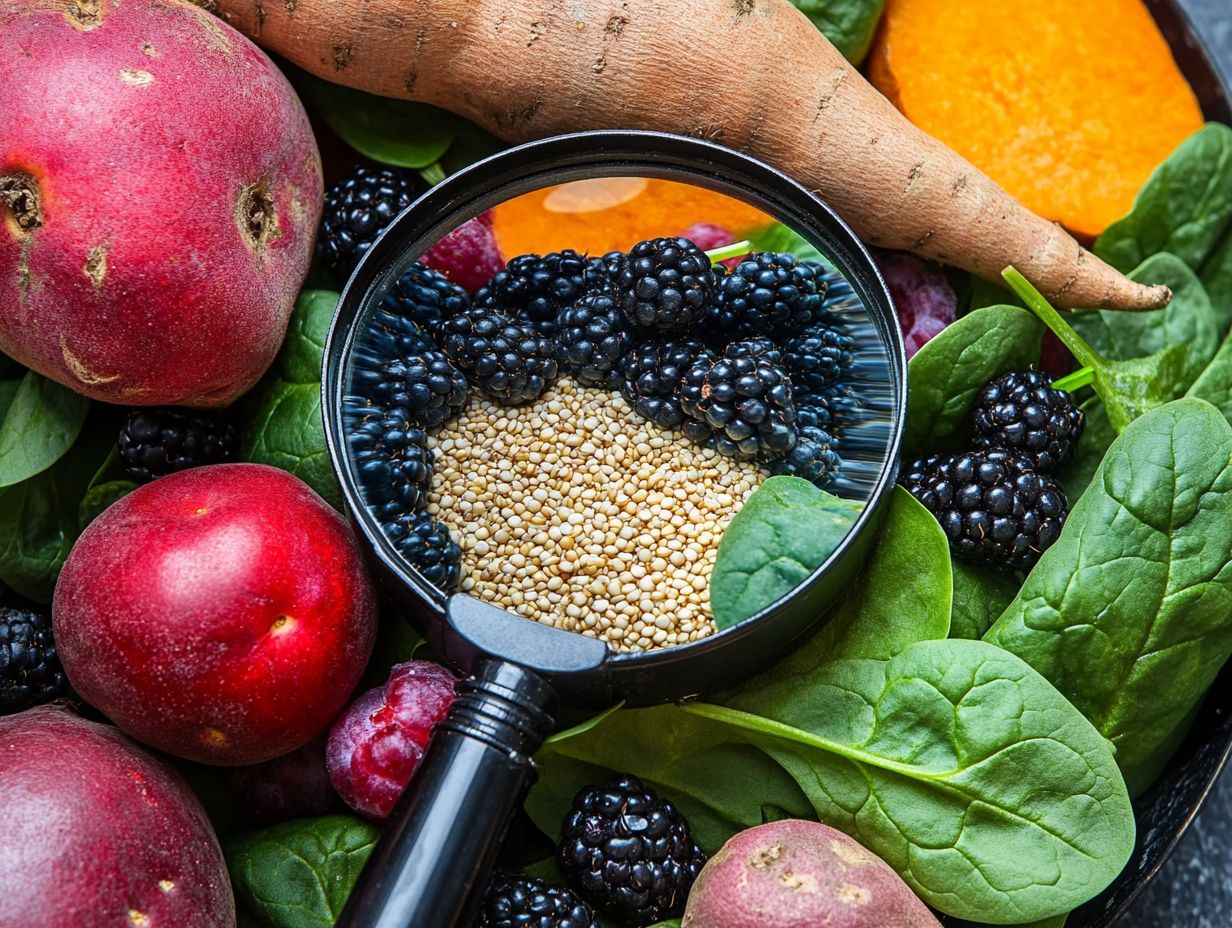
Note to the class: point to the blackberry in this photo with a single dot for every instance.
(746, 399)
(813, 458)
(768, 292)
(155, 442)
(665, 284)
(427, 545)
(756, 347)
(651, 375)
(1021, 411)
(425, 386)
(424, 297)
(817, 356)
(537, 287)
(389, 335)
(357, 209)
(507, 360)
(30, 671)
(391, 456)
(832, 409)
(994, 506)
(524, 902)
(628, 852)
(608, 268)
(590, 339)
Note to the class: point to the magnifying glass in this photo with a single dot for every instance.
(431, 863)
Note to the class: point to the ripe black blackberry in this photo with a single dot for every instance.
(391, 456)
(608, 268)
(424, 297)
(389, 335)
(746, 399)
(590, 339)
(30, 671)
(628, 852)
(357, 209)
(1021, 411)
(506, 359)
(994, 506)
(665, 284)
(525, 902)
(428, 545)
(814, 458)
(425, 386)
(155, 442)
(537, 287)
(817, 356)
(832, 409)
(756, 347)
(768, 292)
(651, 377)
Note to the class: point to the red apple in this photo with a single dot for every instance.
(160, 188)
(97, 833)
(222, 614)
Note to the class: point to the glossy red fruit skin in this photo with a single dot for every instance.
(468, 255)
(98, 833)
(375, 746)
(155, 133)
(222, 614)
(923, 297)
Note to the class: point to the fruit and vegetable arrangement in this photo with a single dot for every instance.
(626, 407)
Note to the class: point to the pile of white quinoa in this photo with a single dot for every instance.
(575, 512)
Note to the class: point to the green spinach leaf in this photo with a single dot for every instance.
(980, 596)
(8, 393)
(848, 24)
(1215, 383)
(281, 423)
(1097, 436)
(954, 762)
(945, 375)
(1129, 613)
(784, 532)
(299, 874)
(100, 497)
(779, 238)
(41, 423)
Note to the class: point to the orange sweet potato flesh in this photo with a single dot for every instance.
(1069, 107)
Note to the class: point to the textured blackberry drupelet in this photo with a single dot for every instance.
(817, 357)
(357, 209)
(424, 297)
(590, 339)
(651, 376)
(833, 409)
(507, 360)
(426, 387)
(537, 287)
(391, 456)
(608, 268)
(155, 442)
(629, 853)
(1021, 411)
(813, 458)
(755, 347)
(389, 335)
(427, 545)
(524, 902)
(994, 506)
(746, 398)
(768, 292)
(30, 671)
(666, 284)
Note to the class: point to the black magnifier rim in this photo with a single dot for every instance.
(606, 153)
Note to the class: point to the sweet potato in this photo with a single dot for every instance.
(753, 74)
(796, 874)
(1069, 110)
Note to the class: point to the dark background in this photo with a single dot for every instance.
(1194, 890)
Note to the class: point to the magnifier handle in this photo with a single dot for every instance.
(430, 865)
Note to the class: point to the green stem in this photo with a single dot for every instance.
(433, 173)
(1083, 377)
(734, 250)
(1086, 355)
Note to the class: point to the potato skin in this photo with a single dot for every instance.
(160, 188)
(798, 874)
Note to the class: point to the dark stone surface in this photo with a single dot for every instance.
(1194, 889)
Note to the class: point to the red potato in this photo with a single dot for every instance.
(222, 614)
(97, 833)
(797, 874)
(160, 188)
(753, 74)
